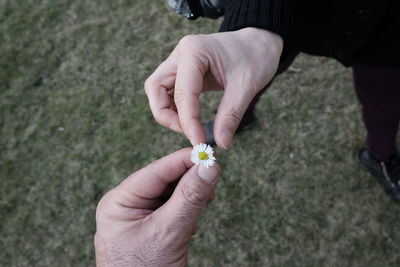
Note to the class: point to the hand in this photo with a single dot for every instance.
(241, 63)
(137, 227)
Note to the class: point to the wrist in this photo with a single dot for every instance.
(264, 39)
(117, 253)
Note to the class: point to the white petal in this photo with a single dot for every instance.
(194, 156)
(203, 147)
(206, 164)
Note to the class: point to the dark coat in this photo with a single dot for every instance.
(351, 31)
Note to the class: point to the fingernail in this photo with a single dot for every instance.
(226, 138)
(209, 175)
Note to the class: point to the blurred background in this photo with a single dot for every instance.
(74, 122)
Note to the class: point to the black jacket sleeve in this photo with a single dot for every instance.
(273, 15)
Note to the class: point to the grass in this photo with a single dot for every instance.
(75, 121)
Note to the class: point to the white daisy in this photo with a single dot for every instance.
(203, 154)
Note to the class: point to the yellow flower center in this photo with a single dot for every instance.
(203, 156)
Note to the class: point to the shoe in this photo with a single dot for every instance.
(387, 171)
(192, 9)
(247, 120)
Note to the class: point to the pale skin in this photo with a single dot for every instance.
(148, 220)
(240, 63)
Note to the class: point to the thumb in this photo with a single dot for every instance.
(182, 210)
(233, 105)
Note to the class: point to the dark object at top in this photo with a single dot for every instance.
(192, 9)
(352, 31)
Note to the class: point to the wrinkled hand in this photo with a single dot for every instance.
(241, 63)
(139, 223)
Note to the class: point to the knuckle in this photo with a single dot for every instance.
(194, 194)
(232, 120)
(103, 206)
(188, 41)
(179, 97)
(148, 84)
(158, 119)
(234, 115)
(191, 45)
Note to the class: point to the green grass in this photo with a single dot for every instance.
(75, 121)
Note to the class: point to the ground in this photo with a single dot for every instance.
(75, 121)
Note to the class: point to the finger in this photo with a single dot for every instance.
(168, 193)
(182, 210)
(143, 188)
(158, 88)
(230, 112)
(188, 87)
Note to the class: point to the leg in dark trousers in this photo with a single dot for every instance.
(378, 90)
